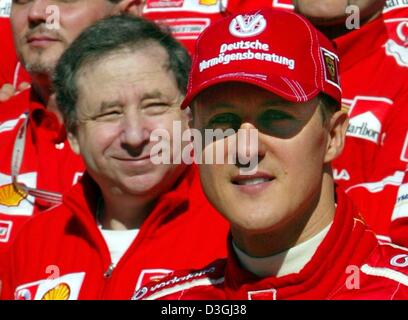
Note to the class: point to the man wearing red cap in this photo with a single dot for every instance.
(294, 235)
(374, 75)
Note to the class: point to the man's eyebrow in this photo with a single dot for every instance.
(152, 95)
(220, 105)
(108, 104)
(277, 102)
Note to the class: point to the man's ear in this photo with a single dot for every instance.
(337, 135)
(188, 114)
(133, 7)
(73, 142)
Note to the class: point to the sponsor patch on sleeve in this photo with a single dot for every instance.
(66, 287)
(331, 67)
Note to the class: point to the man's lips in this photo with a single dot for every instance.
(252, 184)
(40, 40)
(251, 180)
(130, 159)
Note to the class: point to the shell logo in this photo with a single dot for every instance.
(208, 2)
(10, 196)
(60, 292)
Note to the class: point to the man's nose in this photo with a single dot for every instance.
(250, 151)
(134, 133)
(37, 13)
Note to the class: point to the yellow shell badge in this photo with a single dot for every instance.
(208, 2)
(10, 196)
(60, 292)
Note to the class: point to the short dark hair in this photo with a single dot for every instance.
(328, 106)
(109, 35)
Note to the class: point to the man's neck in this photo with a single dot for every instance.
(338, 30)
(302, 227)
(124, 213)
(42, 86)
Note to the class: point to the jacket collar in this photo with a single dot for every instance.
(44, 124)
(82, 201)
(319, 276)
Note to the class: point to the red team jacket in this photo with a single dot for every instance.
(48, 163)
(183, 231)
(374, 76)
(188, 18)
(350, 263)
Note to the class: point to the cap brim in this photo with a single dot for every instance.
(289, 90)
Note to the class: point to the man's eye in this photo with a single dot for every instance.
(21, 1)
(156, 108)
(225, 121)
(274, 115)
(109, 115)
(272, 118)
(278, 123)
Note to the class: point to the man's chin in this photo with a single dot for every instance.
(40, 68)
(327, 22)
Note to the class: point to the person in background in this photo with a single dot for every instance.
(374, 73)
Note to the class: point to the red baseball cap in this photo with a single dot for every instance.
(277, 50)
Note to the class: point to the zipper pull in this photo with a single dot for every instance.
(108, 273)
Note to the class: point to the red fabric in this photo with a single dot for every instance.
(10, 69)
(297, 66)
(48, 163)
(183, 231)
(188, 18)
(399, 218)
(375, 93)
(395, 9)
(350, 263)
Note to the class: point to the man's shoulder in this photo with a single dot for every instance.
(182, 285)
(384, 275)
(388, 255)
